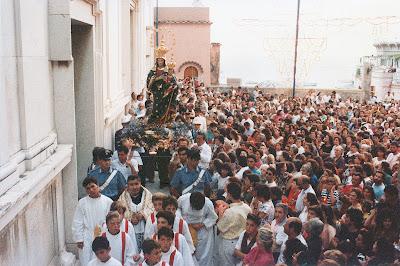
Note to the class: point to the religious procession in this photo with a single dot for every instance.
(245, 178)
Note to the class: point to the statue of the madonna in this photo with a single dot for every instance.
(161, 82)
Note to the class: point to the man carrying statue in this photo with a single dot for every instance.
(161, 82)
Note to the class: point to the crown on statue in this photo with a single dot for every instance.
(171, 65)
(161, 51)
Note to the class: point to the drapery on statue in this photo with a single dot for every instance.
(161, 82)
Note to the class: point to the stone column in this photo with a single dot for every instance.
(60, 50)
(215, 63)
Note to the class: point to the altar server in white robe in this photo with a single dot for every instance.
(121, 244)
(166, 219)
(125, 225)
(101, 248)
(180, 225)
(152, 254)
(157, 199)
(90, 214)
(169, 253)
(198, 211)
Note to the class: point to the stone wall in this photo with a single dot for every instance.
(63, 90)
(32, 233)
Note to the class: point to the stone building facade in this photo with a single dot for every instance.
(186, 33)
(67, 69)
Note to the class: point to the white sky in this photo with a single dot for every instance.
(244, 47)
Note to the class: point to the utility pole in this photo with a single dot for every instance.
(295, 49)
(157, 24)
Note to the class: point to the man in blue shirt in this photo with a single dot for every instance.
(189, 175)
(111, 181)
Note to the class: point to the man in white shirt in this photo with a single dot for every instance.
(304, 183)
(89, 215)
(101, 248)
(125, 166)
(394, 156)
(205, 150)
(140, 111)
(246, 118)
(231, 225)
(292, 229)
(201, 119)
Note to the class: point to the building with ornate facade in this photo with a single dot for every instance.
(67, 69)
(379, 75)
(186, 33)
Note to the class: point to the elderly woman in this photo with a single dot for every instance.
(262, 254)
(313, 229)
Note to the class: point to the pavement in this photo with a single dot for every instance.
(155, 187)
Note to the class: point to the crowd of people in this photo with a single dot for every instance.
(254, 179)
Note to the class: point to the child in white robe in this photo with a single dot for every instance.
(169, 253)
(90, 214)
(180, 225)
(166, 219)
(198, 212)
(157, 200)
(126, 225)
(101, 248)
(121, 244)
(152, 254)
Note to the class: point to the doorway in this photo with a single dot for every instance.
(190, 72)
(84, 90)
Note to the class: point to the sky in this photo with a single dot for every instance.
(257, 37)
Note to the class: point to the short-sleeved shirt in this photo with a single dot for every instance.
(116, 185)
(124, 168)
(268, 208)
(184, 177)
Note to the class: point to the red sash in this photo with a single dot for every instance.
(180, 227)
(176, 240)
(126, 226)
(153, 218)
(123, 236)
(172, 258)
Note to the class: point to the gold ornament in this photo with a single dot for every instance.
(161, 51)
(171, 65)
(97, 231)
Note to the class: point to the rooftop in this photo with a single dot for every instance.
(184, 15)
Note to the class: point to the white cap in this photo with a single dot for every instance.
(197, 120)
(126, 119)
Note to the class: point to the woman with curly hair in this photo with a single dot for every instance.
(262, 253)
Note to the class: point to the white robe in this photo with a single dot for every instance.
(116, 248)
(89, 213)
(205, 236)
(178, 259)
(183, 248)
(161, 263)
(130, 232)
(110, 262)
(152, 229)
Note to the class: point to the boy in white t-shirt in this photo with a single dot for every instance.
(101, 247)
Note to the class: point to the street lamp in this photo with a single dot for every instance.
(157, 24)
(295, 49)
